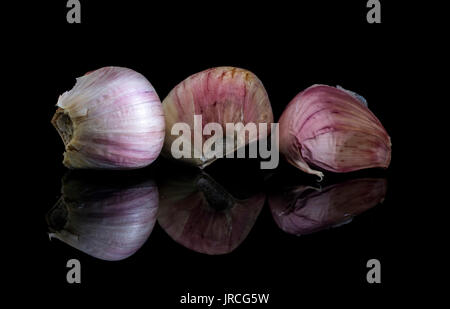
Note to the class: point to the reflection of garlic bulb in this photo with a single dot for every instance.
(111, 119)
(333, 129)
(106, 222)
(201, 215)
(303, 209)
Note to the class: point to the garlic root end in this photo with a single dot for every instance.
(63, 124)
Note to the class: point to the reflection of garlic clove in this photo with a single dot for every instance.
(303, 209)
(107, 221)
(219, 95)
(332, 129)
(111, 119)
(201, 215)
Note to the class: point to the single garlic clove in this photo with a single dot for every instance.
(219, 95)
(111, 119)
(303, 210)
(198, 213)
(332, 129)
(102, 217)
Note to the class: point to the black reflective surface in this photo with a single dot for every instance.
(110, 215)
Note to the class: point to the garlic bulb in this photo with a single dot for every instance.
(111, 119)
(201, 215)
(334, 130)
(109, 218)
(219, 96)
(303, 210)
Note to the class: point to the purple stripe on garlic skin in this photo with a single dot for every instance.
(329, 128)
(111, 119)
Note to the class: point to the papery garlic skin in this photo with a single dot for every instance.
(111, 119)
(330, 128)
(220, 95)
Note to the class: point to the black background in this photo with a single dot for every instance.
(289, 47)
